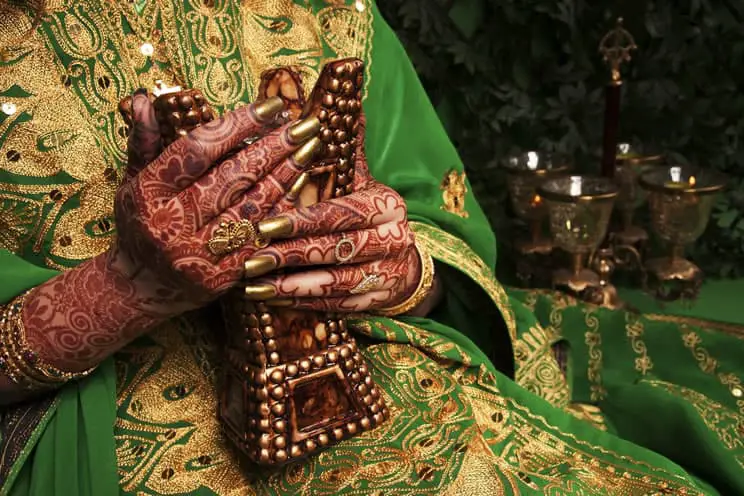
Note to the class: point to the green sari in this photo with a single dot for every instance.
(481, 400)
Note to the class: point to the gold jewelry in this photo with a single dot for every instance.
(339, 249)
(230, 236)
(369, 282)
(422, 291)
(20, 363)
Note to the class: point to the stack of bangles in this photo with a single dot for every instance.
(19, 363)
(423, 290)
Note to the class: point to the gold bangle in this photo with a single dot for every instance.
(19, 362)
(422, 291)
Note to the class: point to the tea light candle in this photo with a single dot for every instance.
(575, 188)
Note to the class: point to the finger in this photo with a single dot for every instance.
(256, 202)
(371, 207)
(190, 157)
(388, 240)
(338, 304)
(144, 144)
(224, 185)
(328, 282)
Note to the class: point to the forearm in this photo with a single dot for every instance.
(80, 317)
(75, 320)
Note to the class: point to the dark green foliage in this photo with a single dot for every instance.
(530, 76)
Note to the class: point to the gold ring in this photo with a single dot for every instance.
(338, 251)
(230, 236)
(369, 282)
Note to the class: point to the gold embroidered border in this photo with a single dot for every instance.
(736, 330)
(709, 365)
(593, 340)
(721, 421)
(536, 368)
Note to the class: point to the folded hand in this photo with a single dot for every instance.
(349, 254)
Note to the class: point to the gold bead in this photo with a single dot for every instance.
(277, 393)
(295, 451)
(323, 440)
(277, 376)
(292, 370)
(280, 442)
(281, 456)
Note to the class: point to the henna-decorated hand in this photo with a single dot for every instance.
(349, 254)
(166, 212)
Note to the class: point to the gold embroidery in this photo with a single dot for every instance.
(456, 253)
(538, 371)
(66, 139)
(593, 339)
(709, 365)
(536, 367)
(168, 437)
(450, 428)
(634, 330)
(534, 453)
(454, 190)
(724, 423)
(588, 413)
(736, 330)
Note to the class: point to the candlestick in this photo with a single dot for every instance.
(615, 48)
(611, 122)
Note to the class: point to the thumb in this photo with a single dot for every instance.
(144, 138)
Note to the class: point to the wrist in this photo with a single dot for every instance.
(78, 318)
(413, 304)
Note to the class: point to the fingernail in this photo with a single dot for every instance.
(294, 191)
(304, 154)
(140, 91)
(277, 227)
(268, 108)
(280, 302)
(258, 266)
(260, 292)
(304, 129)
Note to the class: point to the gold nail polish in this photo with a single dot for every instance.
(280, 302)
(278, 227)
(267, 109)
(259, 292)
(304, 129)
(294, 191)
(258, 266)
(303, 155)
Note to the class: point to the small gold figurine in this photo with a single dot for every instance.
(454, 189)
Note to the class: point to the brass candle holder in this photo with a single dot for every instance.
(680, 200)
(579, 208)
(629, 165)
(525, 173)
